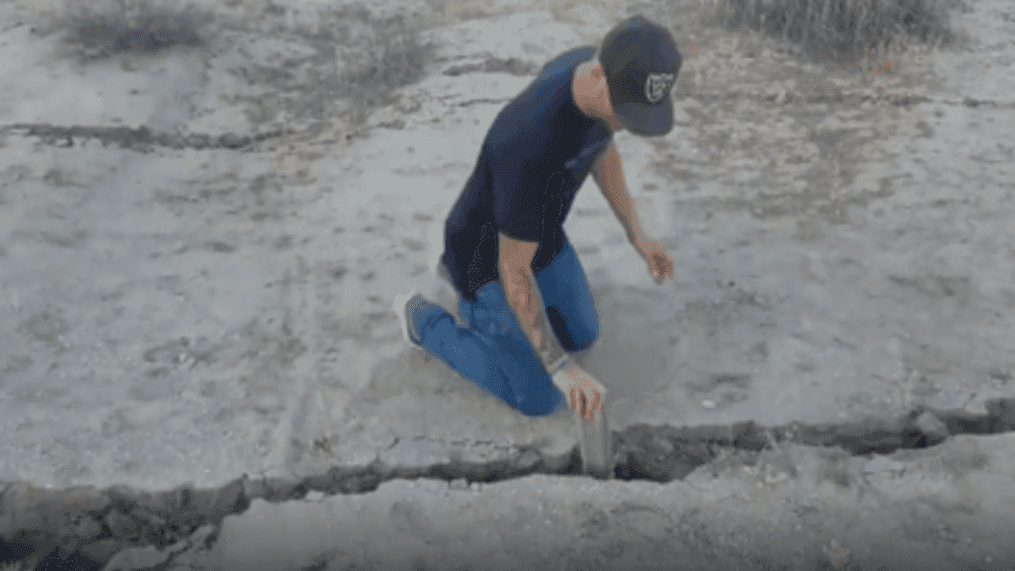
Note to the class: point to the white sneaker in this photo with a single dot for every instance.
(445, 293)
(400, 306)
(435, 286)
(410, 308)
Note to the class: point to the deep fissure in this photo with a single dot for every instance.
(132, 518)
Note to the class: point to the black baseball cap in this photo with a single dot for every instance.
(641, 62)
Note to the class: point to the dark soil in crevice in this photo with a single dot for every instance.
(666, 453)
(121, 517)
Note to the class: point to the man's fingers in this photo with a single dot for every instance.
(591, 405)
(660, 266)
(582, 404)
(597, 404)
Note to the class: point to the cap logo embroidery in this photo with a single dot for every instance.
(658, 85)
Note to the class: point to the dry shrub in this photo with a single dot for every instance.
(874, 61)
(138, 27)
(374, 55)
(837, 29)
(380, 55)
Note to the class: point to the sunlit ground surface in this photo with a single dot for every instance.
(204, 222)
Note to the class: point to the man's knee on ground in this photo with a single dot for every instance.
(576, 334)
(586, 336)
(544, 405)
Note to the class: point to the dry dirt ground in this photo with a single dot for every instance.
(199, 244)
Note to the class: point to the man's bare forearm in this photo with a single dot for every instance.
(609, 175)
(523, 297)
(623, 207)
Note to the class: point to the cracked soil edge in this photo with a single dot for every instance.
(95, 525)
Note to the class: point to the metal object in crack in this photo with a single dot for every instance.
(596, 445)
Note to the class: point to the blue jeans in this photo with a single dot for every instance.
(494, 352)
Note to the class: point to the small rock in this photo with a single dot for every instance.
(27, 508)
(197, 141)
(414, 245)
(708, 404)
(884, 464)
(87, 527)
(120, 524)
(976, 407)
(86, 499)
(68, 546)
(136, 558)
(838, 555)
(147, 518)
(200, 540)
(233, 141)
(227, 499)
(932, 426)
(100, 550)
(555, 451)
(204, 536)
(314, 496)
(527, 459)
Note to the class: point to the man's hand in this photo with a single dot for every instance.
(659, 264)
(584, 393)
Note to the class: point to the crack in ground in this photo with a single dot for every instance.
(840, 96)
(84, 528)
(142, 139)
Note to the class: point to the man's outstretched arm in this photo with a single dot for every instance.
(522, 292)
(584, 393)
(609, 175)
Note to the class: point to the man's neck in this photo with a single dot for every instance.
(579, 88)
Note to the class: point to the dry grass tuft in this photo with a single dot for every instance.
(382, 55)
(854, 31)
(871, 62)
(373, 55)
(135, 27)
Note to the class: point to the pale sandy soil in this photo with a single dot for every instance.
(208, 302)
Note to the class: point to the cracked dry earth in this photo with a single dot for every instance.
(199, 368)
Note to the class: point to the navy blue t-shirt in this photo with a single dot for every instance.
(536, 155)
